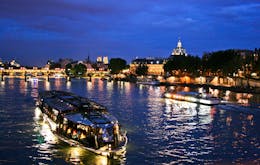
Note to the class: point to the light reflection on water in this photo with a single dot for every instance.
(185, 129)
(160, 131)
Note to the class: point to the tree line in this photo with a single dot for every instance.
(223, 63)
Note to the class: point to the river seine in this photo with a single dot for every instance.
(160, 131)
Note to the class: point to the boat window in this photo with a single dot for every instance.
(74, 134)
(65, 121)
(56, 112)
(69, 131)
(82, 136)
(100, 131)
(64, 127)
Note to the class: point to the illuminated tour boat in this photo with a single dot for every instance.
(194, 97)
(148, 81)
(82, 122)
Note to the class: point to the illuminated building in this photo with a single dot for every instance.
(89, 67)
(99, 59)
(179, 50)
(13, 63)
(102, 63)
(105, 60)
(155, 65)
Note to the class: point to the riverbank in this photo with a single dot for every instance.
(241, 89)
(237, 86)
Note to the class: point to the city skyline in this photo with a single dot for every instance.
(33, 32)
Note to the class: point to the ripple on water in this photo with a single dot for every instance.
(160, 131)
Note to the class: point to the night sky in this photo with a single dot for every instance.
(33, 31)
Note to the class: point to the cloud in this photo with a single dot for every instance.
(240, 11)
(135, 28)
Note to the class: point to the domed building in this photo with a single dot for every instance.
(179, 50)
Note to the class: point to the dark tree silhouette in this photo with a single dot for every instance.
(188, 64)
(225, 62)
(80, 70)
(141, 70)
(116, 65)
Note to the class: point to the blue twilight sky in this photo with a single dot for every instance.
(33, 31)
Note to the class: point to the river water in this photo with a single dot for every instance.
(160, 131)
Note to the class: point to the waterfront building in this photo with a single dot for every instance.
(1, 63)
(102, 59)
(99, 59)
(179, 50)
(105, 60)
(89, 67)
(102, 63)
(256, 54)
(101, 66)
(13, 63)
(155, 65)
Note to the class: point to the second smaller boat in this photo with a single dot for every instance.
(194, 97)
